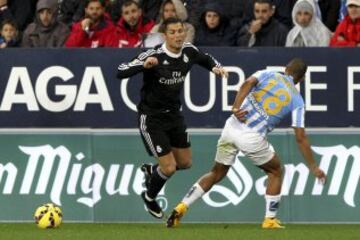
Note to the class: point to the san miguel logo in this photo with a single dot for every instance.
(85, 182)
(242, 183)
(58, 172)
(345, 160)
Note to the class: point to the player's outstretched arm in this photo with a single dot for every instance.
(304, 146)
(241, 95)
(207, 61)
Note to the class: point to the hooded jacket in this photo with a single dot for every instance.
(314, 35)
(222, 35)
(182, 14)
(37, 35)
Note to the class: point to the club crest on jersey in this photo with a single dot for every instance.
(185, 58)
(158, 149)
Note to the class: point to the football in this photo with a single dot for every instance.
(48, 216)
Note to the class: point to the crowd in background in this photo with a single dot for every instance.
(136, 23)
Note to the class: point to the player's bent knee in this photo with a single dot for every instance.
(185, 165)
(277, 172)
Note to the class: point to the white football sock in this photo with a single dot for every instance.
(272, 205)
(194, 194)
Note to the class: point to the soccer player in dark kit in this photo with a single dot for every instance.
(160, 120)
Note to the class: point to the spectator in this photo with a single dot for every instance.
(308, 31)
(71, 11)
(45, 31)
(9, 34)
(283, 9)
(214, 29)
(348, 31)
(235, 10)
(264, 30)
(175, 8)
(132, 26)
(95, 30)
(330, 13)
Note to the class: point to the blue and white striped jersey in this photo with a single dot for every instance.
(274, 97)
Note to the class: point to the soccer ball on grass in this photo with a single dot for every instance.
(48, 216)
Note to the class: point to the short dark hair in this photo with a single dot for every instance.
(102, 2)
(9, 22)
(296, 68)
(130, 2)
(168, 21)
(264, 1)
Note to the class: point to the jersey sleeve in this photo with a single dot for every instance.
(129, 69)
(261, 75)
(298, 117)
(203, 59)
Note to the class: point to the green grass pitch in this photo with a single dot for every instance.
(97, 231)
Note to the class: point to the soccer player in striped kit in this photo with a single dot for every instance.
(160, 120)
(261, 103)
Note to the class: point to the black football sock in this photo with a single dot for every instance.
(157, 181)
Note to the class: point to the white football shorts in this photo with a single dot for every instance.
(237, 136)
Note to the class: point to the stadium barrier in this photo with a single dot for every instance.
(94, 176)
(78, 87)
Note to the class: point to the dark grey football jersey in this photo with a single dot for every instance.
(162, 84)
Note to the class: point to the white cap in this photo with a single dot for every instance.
(353, 2)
